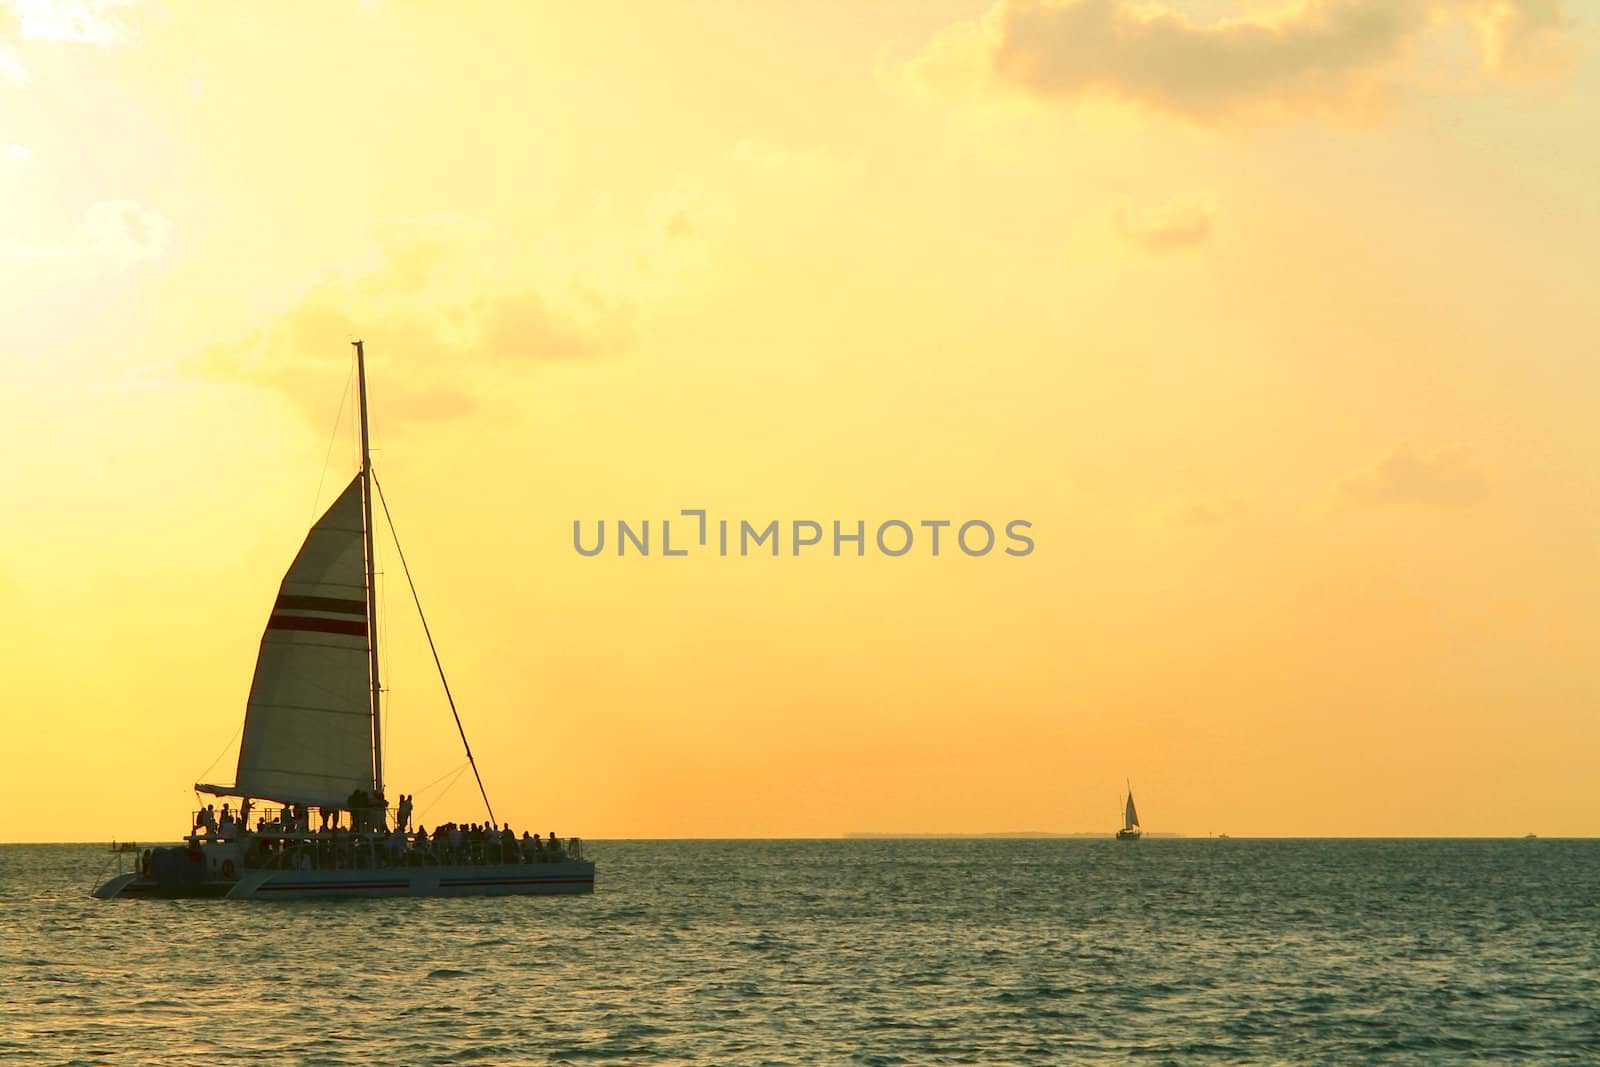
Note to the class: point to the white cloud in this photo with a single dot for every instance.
(127, 230)
(1176, 225)
(19, 153)
(122, 232)
(11, 68)
(98, 22)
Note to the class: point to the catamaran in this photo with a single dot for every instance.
(312, 743)
(1130, 820)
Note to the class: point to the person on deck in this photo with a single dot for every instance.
(419, 845)
(357, 802)
(397, 845)
(508, 844)
(402, 815)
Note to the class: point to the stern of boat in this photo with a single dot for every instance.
(113, 887)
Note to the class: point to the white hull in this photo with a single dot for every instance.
(576, 876)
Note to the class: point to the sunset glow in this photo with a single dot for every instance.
(1275, 322)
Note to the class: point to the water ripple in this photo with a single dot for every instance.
(870, 952)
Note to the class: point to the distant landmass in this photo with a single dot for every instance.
(1010, 834)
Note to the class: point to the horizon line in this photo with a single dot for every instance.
(868, 835)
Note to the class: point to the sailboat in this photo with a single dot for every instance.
(313, 743)
(1130, 820)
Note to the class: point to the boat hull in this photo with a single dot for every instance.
(511, 879)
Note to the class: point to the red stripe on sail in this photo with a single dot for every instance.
(290, 602)
(325, 626)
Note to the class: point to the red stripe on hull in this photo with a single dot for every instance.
(301, 887)
(452, 883)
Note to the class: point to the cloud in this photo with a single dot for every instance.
(679, 225)
(127, 230)
(523, 326)
(1212, 512)
(716, 196)
(19, 153)
(1444, 479)
(302, 349)
(1343, 58)
(1522, 37)
(435, 353)
(98, 22)
(118, 233)
(1175, 226)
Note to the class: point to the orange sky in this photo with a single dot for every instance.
(1276, 321)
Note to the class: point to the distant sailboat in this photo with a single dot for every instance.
(1130, 820)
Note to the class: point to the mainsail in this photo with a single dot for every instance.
(308, 725)
(1130, 817)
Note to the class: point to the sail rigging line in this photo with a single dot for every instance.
(400, 552)
(453, 772)
(381, 607)
(454, 776)
(236, 735)
(333, 439)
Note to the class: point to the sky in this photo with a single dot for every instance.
(1273, 321)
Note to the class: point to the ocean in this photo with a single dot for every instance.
(948, 951)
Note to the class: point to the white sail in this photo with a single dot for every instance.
(308, 726)
(1130, 817)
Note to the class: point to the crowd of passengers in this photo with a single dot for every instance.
(284, 838)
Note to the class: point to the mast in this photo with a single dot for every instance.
(372, 589)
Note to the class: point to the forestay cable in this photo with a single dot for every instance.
(418, 601)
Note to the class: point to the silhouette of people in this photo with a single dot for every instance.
(358, 809)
